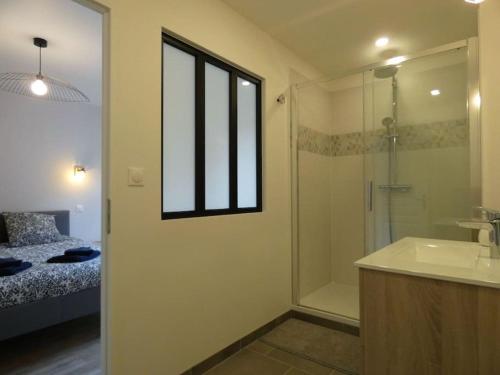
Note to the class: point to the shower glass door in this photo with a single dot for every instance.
(327, 128)
(417, 149)
(378, 156)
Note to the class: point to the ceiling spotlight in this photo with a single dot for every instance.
(435, 92)
(382, 42)
(474, 1)
(396, 60)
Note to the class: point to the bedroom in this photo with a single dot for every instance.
(50, 189)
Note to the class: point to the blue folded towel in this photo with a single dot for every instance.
(10, 262)
(10, 271)
(79, 251)
(74, 258)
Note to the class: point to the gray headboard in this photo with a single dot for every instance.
(62, 223)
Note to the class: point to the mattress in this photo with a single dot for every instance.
(45, 280)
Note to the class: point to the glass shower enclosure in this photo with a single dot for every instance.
(389, 152)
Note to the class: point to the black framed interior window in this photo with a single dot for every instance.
(211, 135)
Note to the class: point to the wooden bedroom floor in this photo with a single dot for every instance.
(69, 348)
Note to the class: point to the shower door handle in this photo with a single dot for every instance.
(370, 195)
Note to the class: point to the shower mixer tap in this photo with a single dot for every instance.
(490, 221)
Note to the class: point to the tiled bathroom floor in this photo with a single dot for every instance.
(261, 359)
(340, 299)
(296, 348)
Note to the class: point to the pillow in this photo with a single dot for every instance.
(27, 228)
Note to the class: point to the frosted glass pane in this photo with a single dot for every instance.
(247, 144)
(216, 138)
(178, 130)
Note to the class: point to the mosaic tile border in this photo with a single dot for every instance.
(454, 133)
(314, 141)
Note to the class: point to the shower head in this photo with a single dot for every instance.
(386, 71)
(387, 121)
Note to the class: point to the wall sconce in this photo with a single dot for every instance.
(79, 172)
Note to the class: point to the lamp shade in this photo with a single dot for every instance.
(57, 90)
(40, 85)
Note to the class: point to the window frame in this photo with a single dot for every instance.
(201, 58)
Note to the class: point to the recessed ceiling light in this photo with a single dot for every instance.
(474, 1)
(396, 60)
(435, 92)
(245, 83)
(382, 42)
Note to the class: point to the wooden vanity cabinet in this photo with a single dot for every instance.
(418, 326)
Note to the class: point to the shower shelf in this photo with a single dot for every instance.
(402, 188)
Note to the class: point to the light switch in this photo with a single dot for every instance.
(135, 176)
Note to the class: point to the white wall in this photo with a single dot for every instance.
(40, 141)
(489, 33)
(180, 290)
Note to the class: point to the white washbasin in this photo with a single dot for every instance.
(465, 262)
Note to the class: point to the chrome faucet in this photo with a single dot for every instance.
(490, 221)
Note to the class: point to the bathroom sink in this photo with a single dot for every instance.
(465, 262)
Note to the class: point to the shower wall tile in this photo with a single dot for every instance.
(454, 133)
(436, 135)
(314, 221)
(314, 141)
(347, 217)
(376, 141)
(347, 144)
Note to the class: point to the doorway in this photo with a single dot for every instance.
(54, 138)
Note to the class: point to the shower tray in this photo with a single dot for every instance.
(402, 188)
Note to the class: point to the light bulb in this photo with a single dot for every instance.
(382, 42)
(477, 100)
(38, 87)
(435, 92)
(474, 1)
(79, 172)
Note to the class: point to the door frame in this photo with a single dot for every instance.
(105, 176)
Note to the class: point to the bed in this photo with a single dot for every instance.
(47, 294)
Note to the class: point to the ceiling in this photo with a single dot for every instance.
(338, 36)
(74, 41)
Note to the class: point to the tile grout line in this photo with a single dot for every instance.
(266, 355)
(292, 366)
(299, 355)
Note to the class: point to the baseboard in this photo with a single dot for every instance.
(235, 347)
